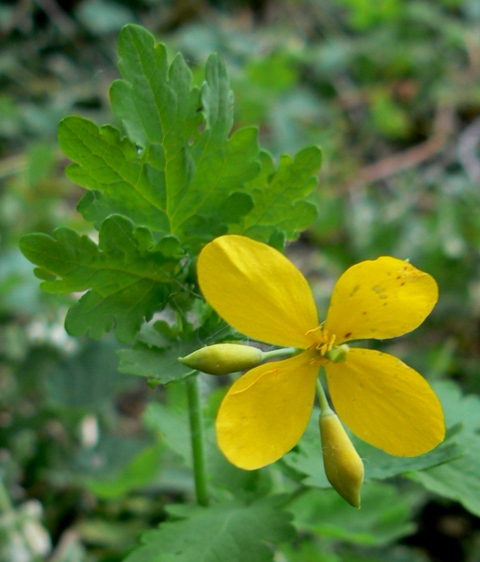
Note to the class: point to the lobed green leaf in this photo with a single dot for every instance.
(178, 179)
(128, 276)
(458, 480)
(384, 516)
(121, 181)
(170, 174)
(279, 196)
(232, 531)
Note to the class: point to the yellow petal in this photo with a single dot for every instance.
(257, 290)
(381, 298)
(386, 403)
(266, 411)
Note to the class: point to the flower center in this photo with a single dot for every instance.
(324, 344)
(323, 340)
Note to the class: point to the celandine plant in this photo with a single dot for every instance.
(178, 184)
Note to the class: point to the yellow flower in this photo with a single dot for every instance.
(263, 295)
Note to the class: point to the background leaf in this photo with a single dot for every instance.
(138, 473)
(459, 479)
(383, 517)
(230, 531)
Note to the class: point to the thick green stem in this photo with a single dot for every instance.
(197, 439)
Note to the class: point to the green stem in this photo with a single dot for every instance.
(5, 503)
(322, 400)
(197, 439)
(280, 352)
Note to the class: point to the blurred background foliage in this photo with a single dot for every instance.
(390, 89)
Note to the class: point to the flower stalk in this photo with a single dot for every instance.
(197, 438)
(5, 503)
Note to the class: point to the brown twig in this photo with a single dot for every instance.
(67, 540)
(468, 153)
(443, 127)
(20, 18)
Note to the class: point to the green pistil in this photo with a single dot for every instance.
(338, 353)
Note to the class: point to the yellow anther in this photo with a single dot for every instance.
(324, 341)
(319, 328)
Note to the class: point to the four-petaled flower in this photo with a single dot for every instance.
(263, 295)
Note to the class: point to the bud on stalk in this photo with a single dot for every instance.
(343, 465)
(223, 358)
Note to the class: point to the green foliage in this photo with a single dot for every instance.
(122, 269)
(460, 479)
(158, 346)
(229, 531)
(178, 179)
(279, 197)
(74, 384)
(364, 16)
(136, 474)
(385, 515)
(170, 175)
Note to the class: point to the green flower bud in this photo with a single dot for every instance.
(223, 358)
(343, 465)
